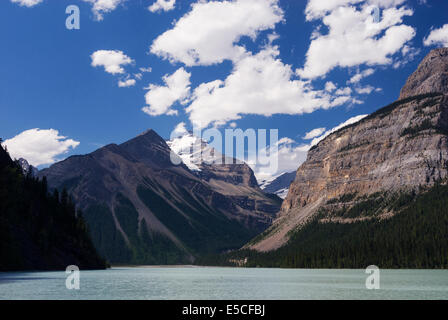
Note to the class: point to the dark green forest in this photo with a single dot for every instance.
(39, 230)
(415, 237)
(204, 231)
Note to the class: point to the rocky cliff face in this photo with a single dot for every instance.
(401, 147)
(431, 75)
(27, 168)
(141, 208)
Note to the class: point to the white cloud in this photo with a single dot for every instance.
(126, 83)
(314, 133)
(285, 140)
(259, 84)
(39, 147)
(290, 156)
(144, 70)
(343, 124)
(100, 7)
(316, 9)
(162, 5)
(180, 130)
(344, 91)
(408, 54)
(365, 90)
(330, 86)
(438, 37)
(112, 60)
(27, 3)
(209, 32)
(354, 38)
(160, 98)
(361, 75)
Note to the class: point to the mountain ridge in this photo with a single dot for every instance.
(142, 208)
(399, 148)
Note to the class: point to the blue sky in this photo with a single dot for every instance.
(49, 80)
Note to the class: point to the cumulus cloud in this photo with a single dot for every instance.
(344, 91)
(126, 83)
(209, 32)
(316, 9)
(100, 7)
(353, 37)
(365, 90)
(39, 147)
(160, 98)
(361, 75)
(112, 60)
(162, 5)
(330, 86)
(438, 37)
(314, 133)
(259, 84)
(27, 3)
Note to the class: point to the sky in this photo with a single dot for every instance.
(302, 67)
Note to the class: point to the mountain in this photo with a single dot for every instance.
(226, 175)
(431, 75)
(202, 160)
(39, 231)
(143, 208)
(373, 192)
(26, 167)
(279, 185)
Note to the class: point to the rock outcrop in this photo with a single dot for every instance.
(431, 75)
(403, 146)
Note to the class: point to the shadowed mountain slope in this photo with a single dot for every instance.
(142, 208)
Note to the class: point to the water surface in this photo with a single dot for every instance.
(197, 283)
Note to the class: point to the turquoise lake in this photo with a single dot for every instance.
(199, 283)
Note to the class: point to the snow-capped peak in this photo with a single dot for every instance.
(194, 151)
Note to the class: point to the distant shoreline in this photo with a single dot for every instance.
(153, 266)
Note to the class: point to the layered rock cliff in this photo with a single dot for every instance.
(400, 148)
(431, 75)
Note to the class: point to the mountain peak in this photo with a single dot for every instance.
(195, 152)
(146, 132)
(149, 148)
(430, 76)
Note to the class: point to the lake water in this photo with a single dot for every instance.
(196, 283)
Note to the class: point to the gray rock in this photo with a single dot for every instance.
(403, 146)
(431, 75)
